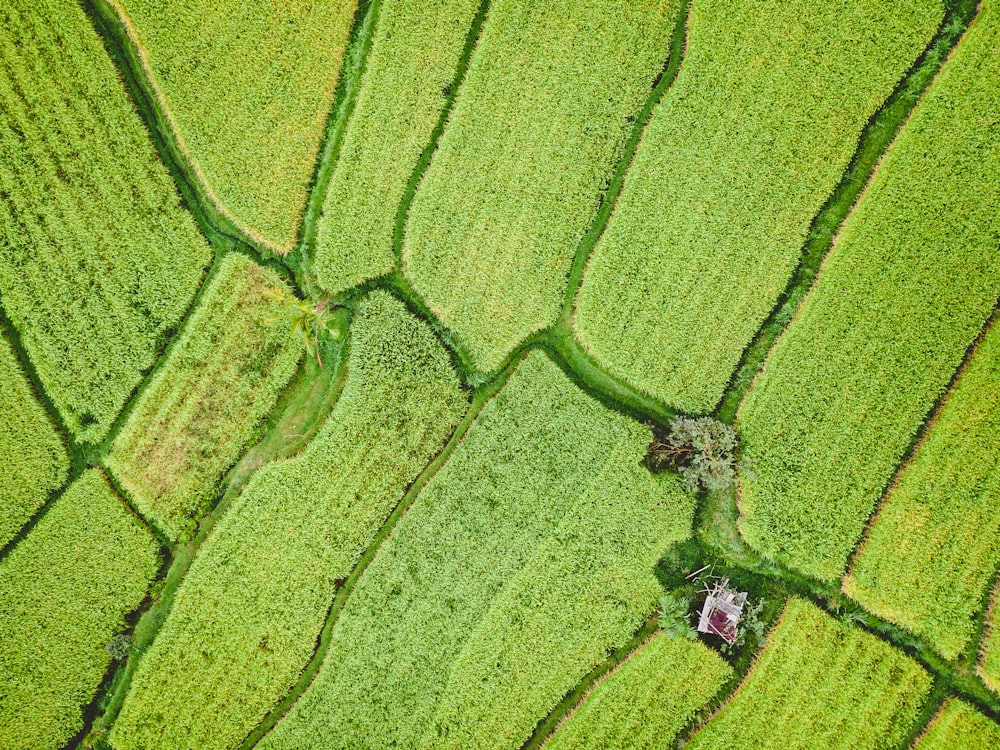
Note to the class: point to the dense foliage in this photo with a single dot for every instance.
(989, 657)
(702, 450)
(959, 726)
(904, 292)
(738, 158)
(33, 460)
(98, 262)
(539, 124)
(820, 684)
(648, 700)
(409, 72)
(247, 86)
(64, 592)
(247, 615)
(197, 415)
(935, 544)
(523, 561)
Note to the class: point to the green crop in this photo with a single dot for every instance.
(64, 592)
(538, 126)
(246, 87)
(935, 544)
(33, 460)
(645, 703)
(989, 652)
(748, 143)
(199, 412)
(98, 261)
(958, 726)
(904, 292)
(524, 560)
(820, 684)
(408, 76)
(247, 615)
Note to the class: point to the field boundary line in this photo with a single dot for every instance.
(915, 739)
(986, 632)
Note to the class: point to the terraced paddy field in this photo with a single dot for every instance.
(498, 375)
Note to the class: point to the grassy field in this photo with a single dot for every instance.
(989, 652)
(645, 703)
(539, 124)
(958, 726)
(33, 460)
(64, 592)
(521, 563)
(246, 618)
(98, 261)
(820, 684)
(408, 80)
(197, 416)
(935, 545)
(247, 87)
(904, 292)
(738, 158)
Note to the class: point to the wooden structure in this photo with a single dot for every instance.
(722, 611)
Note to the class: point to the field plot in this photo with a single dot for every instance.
(246, 618)
(935, 544)
(247, 86)
(33, 460)
(539, 124)
(989, 664)
(741, 154)
(98, 262)
(196, 417)
(819, 684)
(526, 557)
(958, 726)
(905, 290)
(648, 700)
(64, 592)
(409, 72)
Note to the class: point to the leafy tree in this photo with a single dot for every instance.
(702, 449)
(309, 319)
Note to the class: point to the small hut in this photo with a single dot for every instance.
(722, 611)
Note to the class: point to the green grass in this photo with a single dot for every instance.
(407, 84)
(246, 618)
(753, 136)
(820, 684)
(904, 292)
(958, 726)
(98, 261)
(522, 563)
(538, 127)
(247, 87)
(33, 460)
(989, 651)
(199, 412)
(645, 703)
(935, 544)
(64, 592)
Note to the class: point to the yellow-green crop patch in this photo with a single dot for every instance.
(33, 459)
(820, 684)
(646, 702)
(522, 562)
(197, 415)
(904, 292)
(247, 87)
(539, 124)
(247, 615)
(741, 154)
(958, 726)
(98, 261)
(64, 592)
(407, 82)
(935, 544)
(989, 658)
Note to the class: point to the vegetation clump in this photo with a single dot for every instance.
(675, 617)
(702, 449)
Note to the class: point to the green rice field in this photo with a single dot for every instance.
(959, 725)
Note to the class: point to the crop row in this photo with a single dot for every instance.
(959, 725)
(820, 684)
(522, 562)
(199, 412)
(739, 156)
(247, 615)
(64, 592)
(904, 292)
(98, 261)
(538, 126)
(989, 662)
(646, 703)
(33, 460)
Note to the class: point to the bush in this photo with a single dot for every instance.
(675, 617)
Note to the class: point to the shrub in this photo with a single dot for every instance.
(675, 617)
